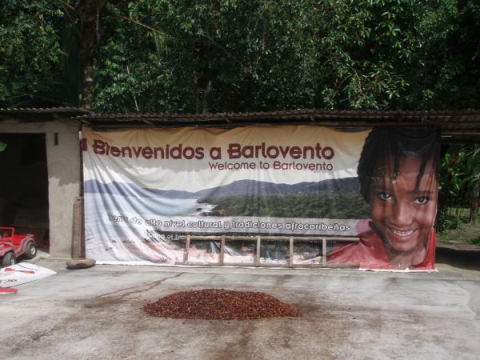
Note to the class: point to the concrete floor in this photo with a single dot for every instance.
(97, 313)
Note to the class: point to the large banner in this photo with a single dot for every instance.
(145, 188)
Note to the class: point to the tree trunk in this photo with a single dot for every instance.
(89, 21)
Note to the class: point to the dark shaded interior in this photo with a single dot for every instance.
(24, 185)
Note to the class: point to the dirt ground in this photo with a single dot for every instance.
(97, 313)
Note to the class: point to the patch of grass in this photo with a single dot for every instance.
(474, 241)
(464, 233)
(457, 228)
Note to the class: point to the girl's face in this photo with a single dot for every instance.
(402, 215)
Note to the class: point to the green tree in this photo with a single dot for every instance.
(449, 75)
(259, 55)
(232, 55)
(31, 53)
(459, 184)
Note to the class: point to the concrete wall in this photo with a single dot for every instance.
(63, 162)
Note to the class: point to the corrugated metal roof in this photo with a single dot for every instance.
(309, 114)
(44, 110)
(460, 124)
(452, 120)
(83, 114)
(41, 114)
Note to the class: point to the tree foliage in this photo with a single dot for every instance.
(249, 55)
(265, 55)
(30, 53)
(459, 185)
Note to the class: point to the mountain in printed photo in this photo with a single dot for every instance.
(237, 188)
(333, 198)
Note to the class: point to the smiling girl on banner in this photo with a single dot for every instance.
(398, 174)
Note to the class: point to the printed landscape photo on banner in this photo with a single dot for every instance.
(144, 189)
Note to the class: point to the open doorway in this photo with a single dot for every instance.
(24, 185)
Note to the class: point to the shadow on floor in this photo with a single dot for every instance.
(460, 258)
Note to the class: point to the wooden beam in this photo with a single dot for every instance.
(77, 233)
(332, 266)
(270, 238)
(324, 252)
(286, 266)
(185, 251)
(257, 258)
(222, 251)
(290, 252)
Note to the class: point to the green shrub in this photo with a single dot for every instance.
(448, 222)
(474, 241)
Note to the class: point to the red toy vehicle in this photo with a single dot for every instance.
(13, 246)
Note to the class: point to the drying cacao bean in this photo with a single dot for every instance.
(219, 304)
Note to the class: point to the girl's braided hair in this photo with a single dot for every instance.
(385, 144)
